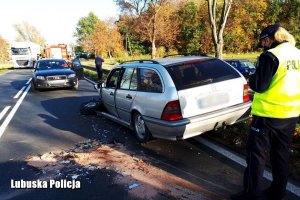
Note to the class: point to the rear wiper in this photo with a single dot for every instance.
(209, 80)
(202, 82)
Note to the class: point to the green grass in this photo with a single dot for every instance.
(93, 75)
(114, 61)
(4, 67)
(250, 56)
(3, 71)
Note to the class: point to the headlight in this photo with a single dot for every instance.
(40, 77)
(71, 76)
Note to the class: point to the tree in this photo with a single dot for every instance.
(85, 26)
(104, 39)
(190, 27)
(244, 24)
(288, 15)
(27, 32)
(158, 25)
(152, 23)
(217, 25)
(4, 50)
(133, 7)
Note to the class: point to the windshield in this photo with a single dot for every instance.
(51, 64)
(248, 64)
(20, 51)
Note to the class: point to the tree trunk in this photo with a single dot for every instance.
(153, 54)
(129, 45)
(217, 33)
(219, 50)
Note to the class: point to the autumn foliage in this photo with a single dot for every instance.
(159, 27)
(4, 50)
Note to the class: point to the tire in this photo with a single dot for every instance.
(33, 88)
(142, 133)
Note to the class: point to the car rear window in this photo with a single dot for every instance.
(201, 72)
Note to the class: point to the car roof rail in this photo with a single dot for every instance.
(140, 61)
(187, 54)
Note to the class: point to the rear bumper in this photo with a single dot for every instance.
(190, 127)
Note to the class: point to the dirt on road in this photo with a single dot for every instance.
(135, 173)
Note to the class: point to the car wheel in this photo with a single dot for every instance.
(33, 88)
(141, 131)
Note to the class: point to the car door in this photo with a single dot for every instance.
(109, 90)
(77, 68)
(126, 92)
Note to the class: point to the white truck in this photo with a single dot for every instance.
(24, 54)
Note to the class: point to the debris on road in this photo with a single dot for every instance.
(91, 156)
(133, 186)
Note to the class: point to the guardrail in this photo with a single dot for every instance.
(89, 68)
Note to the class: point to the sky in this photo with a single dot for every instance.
(55, 19)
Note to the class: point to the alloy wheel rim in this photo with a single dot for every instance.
(140, 127)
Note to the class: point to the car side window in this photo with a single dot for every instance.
(112, 80)
(234, 64)
(149, 81)
(128, 80)
(134, 82)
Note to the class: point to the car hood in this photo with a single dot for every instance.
(52, 72)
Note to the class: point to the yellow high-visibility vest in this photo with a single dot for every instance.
(282, 98)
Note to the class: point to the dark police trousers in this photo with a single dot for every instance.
(276, 135)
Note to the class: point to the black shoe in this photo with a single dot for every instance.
(240, 196)
(270, 195)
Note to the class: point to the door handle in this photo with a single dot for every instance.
(129, 96)
(112, 93)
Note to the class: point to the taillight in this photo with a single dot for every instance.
(172, 111)
(245, 93)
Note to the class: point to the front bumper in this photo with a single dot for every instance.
(190, 127)
(46, 84)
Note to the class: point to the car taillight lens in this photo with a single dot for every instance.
(172, 111)
(245, 93)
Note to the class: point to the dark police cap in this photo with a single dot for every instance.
(269, 31)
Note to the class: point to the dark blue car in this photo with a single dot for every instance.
(245, 67)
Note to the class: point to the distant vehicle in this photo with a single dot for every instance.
(55, 73)
(245, 67)
(85, 55)
(24, 54)
(59, 51)
(175, 98)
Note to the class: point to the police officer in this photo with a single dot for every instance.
(98, 62)
(275, 111)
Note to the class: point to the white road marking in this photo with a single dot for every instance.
(28, 81)
(4, 111)
(19, 93)
(12, 112)
(290, 187)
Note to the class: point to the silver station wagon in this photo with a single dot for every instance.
(175, 98)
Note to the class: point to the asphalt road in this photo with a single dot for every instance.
(37, 122)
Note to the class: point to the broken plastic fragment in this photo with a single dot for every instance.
(75, 177)
(133, 186)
